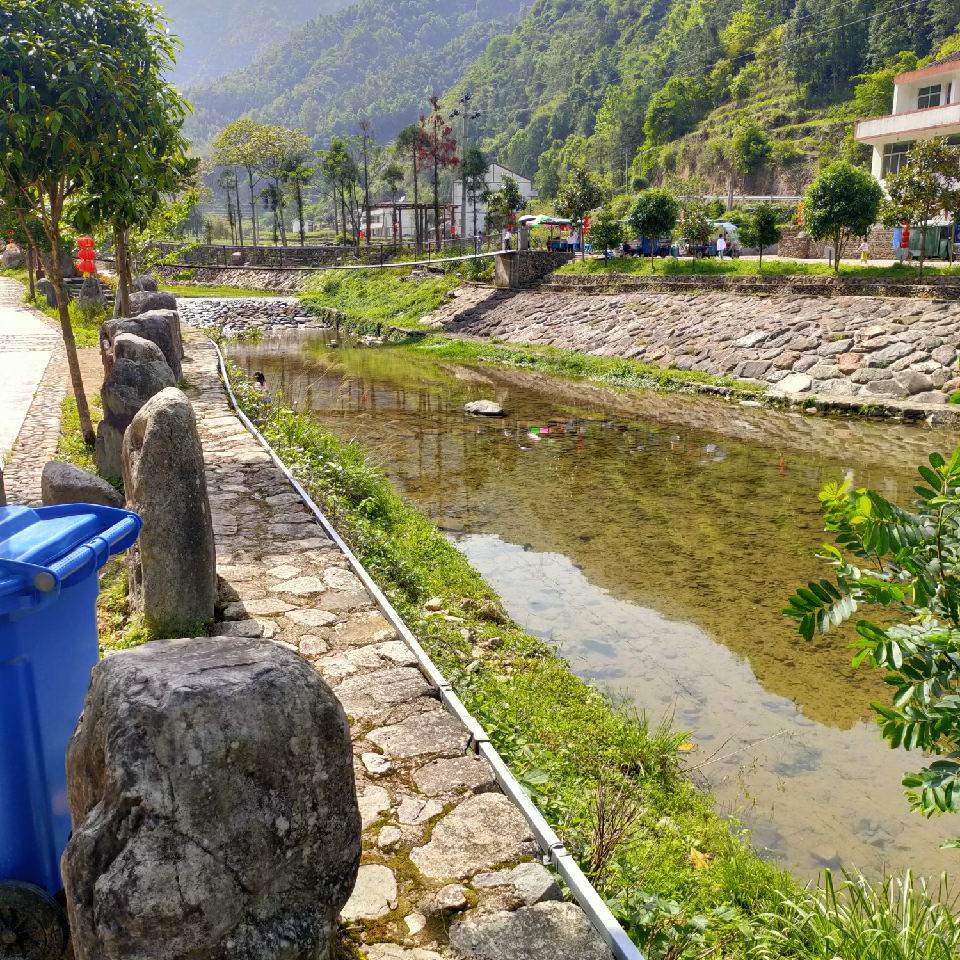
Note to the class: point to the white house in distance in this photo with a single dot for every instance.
(926, 104)
(495, 176)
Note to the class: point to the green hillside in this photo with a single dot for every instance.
(376, 59)
(593, 82)
(219, 36)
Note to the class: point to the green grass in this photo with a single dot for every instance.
(86, 324)
(395, 297)
(613, 371)
(668, 266)
(181, 290)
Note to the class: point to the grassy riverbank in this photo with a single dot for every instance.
(396, 297)
(681, 878)
(612, 371)
(668, 266)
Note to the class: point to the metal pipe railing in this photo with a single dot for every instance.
(554, 851)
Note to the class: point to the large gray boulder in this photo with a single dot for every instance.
(128, 386)
(66, 483)
(484, 408)
(12, 257)
(91, 294)
(128, 346)
(560, 931)
(146, 301)
(158, 328)
(173, 566)
(146, 283)
(45, 286)
(214, 810)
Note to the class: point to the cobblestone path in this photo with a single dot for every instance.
(450, 867)
(33, 371)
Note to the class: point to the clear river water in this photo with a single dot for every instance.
(654, 540)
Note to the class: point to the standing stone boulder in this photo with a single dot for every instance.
(173, 566)
(214, 811)
(146, 283)
(128, 386)
(45, 286)
(149, 300)
(156, 327)
(128, 346)
(66, 483)
(91, 294)
(12, 257)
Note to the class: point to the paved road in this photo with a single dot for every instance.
(26, 347)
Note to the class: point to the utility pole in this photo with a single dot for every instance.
(467, 117)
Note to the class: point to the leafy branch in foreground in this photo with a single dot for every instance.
(907, 563)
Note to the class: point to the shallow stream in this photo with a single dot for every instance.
(655, 539)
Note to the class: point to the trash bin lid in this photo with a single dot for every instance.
(29, 538)
(63, 543)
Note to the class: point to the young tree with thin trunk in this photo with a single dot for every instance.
(761, 230)
(842, 203)
(392, 176)
(473, 171)
(438, 150)
(653, 214)
(410, 140)
(366, 143)
(81, 82)
(275, 149)
(577, 197)
(228, 181)
(927, 185)
(239, 145)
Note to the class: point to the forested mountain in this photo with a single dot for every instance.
(595, 81)
(380, 59)
(223, 35)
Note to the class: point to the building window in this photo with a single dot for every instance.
(895, 156)
(929, 97)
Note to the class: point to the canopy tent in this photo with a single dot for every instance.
(542, 220)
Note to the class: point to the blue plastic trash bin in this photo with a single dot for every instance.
(49, 558)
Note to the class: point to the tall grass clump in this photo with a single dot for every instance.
(898, 919)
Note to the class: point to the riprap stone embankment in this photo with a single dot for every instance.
(841, 347)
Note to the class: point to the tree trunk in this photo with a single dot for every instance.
(123, 271)
(923, 248)
(343, 213)
(366, 192)
(253, 209)
(303, 231)
(30, 271)
(437, 231)
(416, 203)
(278, 211)
(66, 328)
(336, 225)
(239, 213)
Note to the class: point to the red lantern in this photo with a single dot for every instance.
(87, 255)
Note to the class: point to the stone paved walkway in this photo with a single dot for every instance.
(33, 371)
(449, 866)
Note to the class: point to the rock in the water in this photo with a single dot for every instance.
(128, 346)
(484, 408)
(214, 811)
(45, 286)
(91, 294)
(66, 483)
(560, 931)
(155, 327)
(173, 566)
(148, 300)
(126, 389)
(12, 257)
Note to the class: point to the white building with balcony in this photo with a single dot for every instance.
(926, 104)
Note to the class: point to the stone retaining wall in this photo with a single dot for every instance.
(843, 347)
(269, 281)
(797, 245)
(236, 313)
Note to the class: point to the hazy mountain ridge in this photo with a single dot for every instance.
(377, 59)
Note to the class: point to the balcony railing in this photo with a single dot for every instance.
(912, 122)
